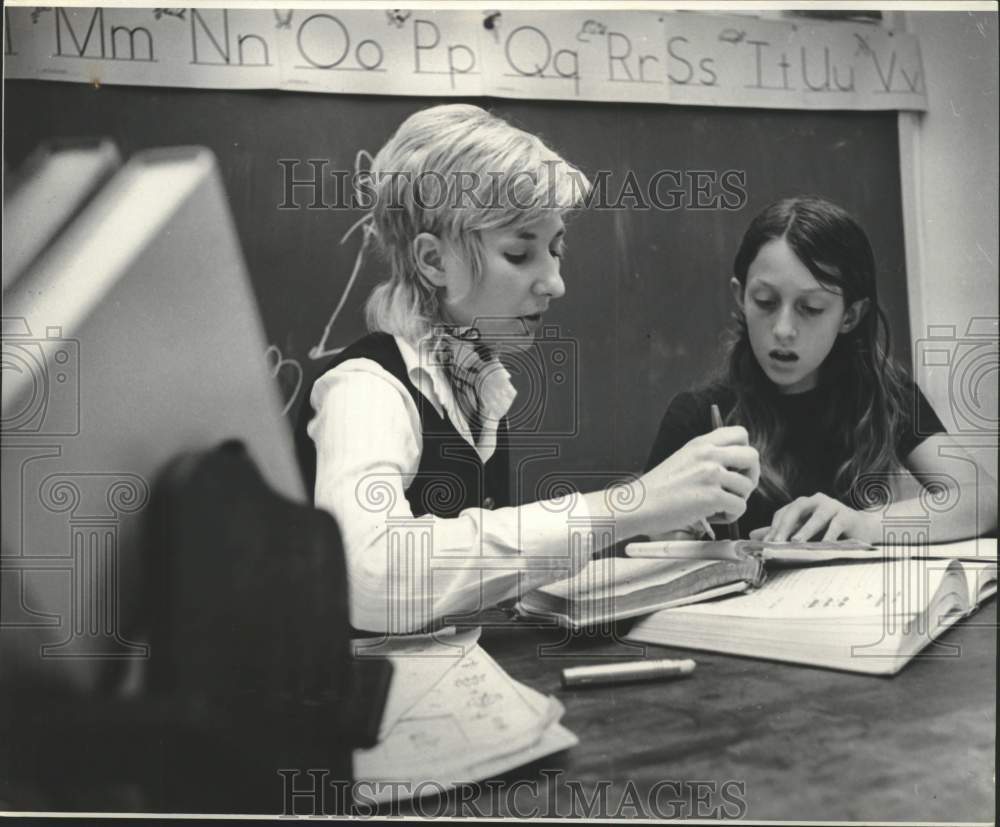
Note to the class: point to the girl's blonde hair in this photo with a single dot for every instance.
(455, 171)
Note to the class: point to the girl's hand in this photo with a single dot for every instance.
(822, 518)
(710, 477)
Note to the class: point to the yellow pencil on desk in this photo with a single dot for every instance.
(640, 670)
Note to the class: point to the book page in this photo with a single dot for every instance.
(982, 548)
(555, 738)
(859, 590)
(982, 580)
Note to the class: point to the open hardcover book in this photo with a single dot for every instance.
(859, 617)
(616, 588)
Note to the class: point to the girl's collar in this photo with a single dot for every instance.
(444, 338)
(818, 390)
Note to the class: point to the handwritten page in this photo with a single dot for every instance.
(472, 720)
(555, 738)
(419, 662)
(860, 590)
(583, 55)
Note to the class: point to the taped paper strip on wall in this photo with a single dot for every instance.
(597, 55)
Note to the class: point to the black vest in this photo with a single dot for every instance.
(451, 476)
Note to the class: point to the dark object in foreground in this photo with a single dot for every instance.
(250, 670)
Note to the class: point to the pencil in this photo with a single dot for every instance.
(734, 527)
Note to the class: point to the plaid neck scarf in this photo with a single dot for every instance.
(471, 367)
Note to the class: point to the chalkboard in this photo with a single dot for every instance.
(647, 295)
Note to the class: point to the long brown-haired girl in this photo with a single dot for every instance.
(808, 374)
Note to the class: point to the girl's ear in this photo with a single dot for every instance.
(737, 289)
(854, 314)
(428, 252)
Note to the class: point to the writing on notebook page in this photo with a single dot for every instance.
(862, 589)
(831, 602)
(454, 720)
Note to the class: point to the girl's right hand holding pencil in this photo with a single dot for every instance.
(708, 479)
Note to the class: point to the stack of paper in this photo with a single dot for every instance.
(453, 716)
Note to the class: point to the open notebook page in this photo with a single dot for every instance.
(476, 716)
(419, 662)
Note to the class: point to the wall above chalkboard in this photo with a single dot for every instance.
(633, 56)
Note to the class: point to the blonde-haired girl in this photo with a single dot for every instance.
(409, 435)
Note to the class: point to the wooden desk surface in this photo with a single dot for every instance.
(807, 743)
